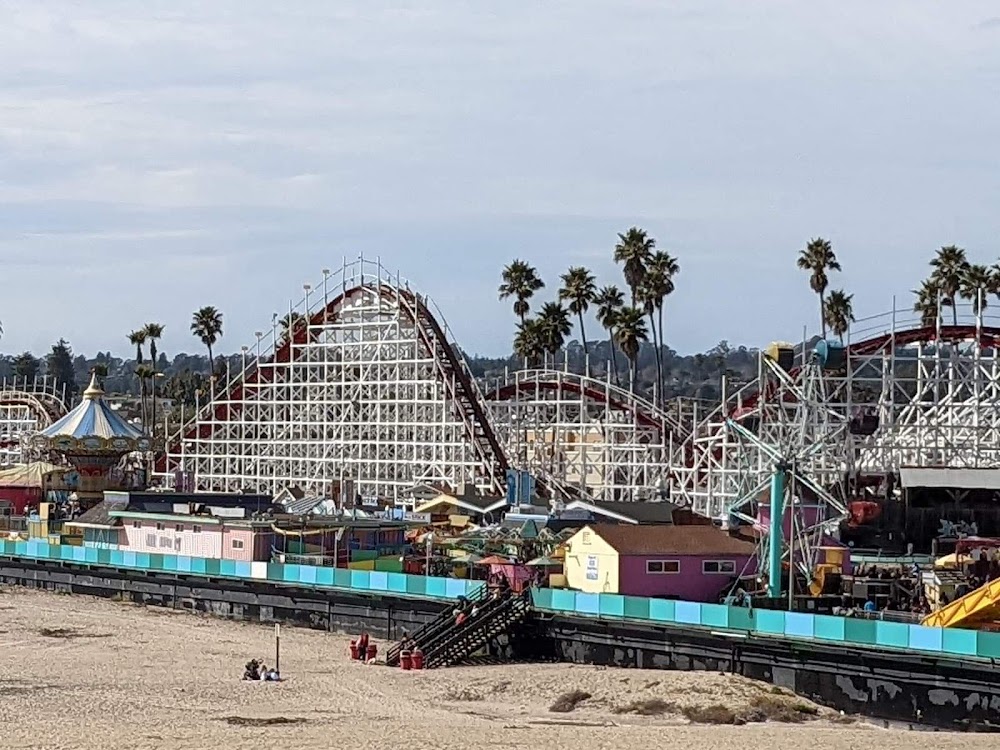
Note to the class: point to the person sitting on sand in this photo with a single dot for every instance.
(252, 670)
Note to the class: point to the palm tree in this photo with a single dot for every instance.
(579, 289)
(206, 325)
(839, 312)
(633, 251)
(976, 283)
(927, 303)
(553, 319)
(657, 285)
(520, 281)
(138, 338)
(630, 332)
(949, 266)
(610, 302)
(144, 373)
(819, 259)
(154, 332)
(528, 343)
(291, 324)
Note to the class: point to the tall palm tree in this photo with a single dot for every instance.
(630, 333)
(154, 332)
(657, 285)
(819, 259)
(839, 312)
(927, 302)
(555, 325)
(138, 338)
(610, 301)
(145, 373)
(579, 289)
(206, 325)
(633, 251)
(520, 281)
(291, 324)
(977, 282)
(949, 266)
(528, 343)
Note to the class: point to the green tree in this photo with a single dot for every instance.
(949, 267)
(630, 333)
(59, 366)
(839, 312)
(819, 260)
(26, 366)
(520, 281)
(610, 301)
(977, 283)
(633, 251)
(206, 325)
(555, 327)
(528, 342)
(579, 290)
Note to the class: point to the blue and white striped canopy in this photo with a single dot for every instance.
(92, 418)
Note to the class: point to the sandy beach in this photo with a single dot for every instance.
(78, 672)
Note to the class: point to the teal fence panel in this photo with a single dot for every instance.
(662, 610)
(715, 616)
(564, 600)
(892, 634)
(860, 631)
(612, 605)
(588, 604)
(770, 622)
(325, 576)
(741, 618)
(636, 607)
(957, 641)
(542, 598)
(829, 628)
(988, 645)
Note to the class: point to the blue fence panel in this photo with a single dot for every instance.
(455, 588)
(588, 604)
(687, 612)
(715, 616)
(926, 639)
(799, 625)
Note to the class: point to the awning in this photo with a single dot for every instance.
(948, 478)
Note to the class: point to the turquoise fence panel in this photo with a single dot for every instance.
(564, 600)
(228, 568)
(130, 559)
(541, 598)
(741, 618)
(415, 585)
(662, 610)
(104, 558)
(169, 563)
(92, 557)
(360, 579)
(65, 551)
(926, 639)
(636, 607)
(860, 631)
(687, 612)
(245, 570)
(396, 582)
(612, 605)
(988, 645)
(770, 621)
(958, 641)
(799, 624)
(141, 559)
(892, 634)
(342, 578)
(829, 628)
(588, 604)
(378, 581)
(324, 576)
(183, 564)
(455, 588)
(715, 615)
(434, 587)
(290, 572)
(80, 555)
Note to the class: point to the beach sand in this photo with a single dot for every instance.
(79, 672)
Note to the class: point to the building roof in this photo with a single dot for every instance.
(93, 417)
(99, 517)
(634, 512)
(469, 502)
(670, 539)
(28, 475)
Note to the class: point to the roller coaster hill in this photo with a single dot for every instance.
(366, 394)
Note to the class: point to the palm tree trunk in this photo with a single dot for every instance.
(954, 312)
(211, 362)
(635, 371)
(659, 322)
(586, 349)
(822, 313)
(659, 368)
(152, 420)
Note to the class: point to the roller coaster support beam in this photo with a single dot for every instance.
(775, 542)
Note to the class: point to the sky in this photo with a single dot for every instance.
(156, 157)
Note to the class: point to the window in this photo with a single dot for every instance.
(137, 524)
(237, 544)
(727, 567)
(179, 528)
(586, 537)
(159, 527)
(663, 566)
(151, 540)
(196, 529)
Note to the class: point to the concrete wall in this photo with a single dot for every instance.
(689, 582)
(591, 564)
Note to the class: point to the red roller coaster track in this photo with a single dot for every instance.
(431, 335)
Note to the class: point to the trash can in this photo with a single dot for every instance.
(405, 660)
(354, 650)
(417, 659)
(372, 652)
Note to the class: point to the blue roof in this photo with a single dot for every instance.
(93, 418)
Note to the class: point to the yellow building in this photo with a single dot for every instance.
(591, 564)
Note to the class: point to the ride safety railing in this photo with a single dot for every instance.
(372, 582)
(744, 622)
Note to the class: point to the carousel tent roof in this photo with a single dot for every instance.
(93, 418)
(28, 475)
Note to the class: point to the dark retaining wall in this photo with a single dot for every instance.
(384, 617)
(896, 686)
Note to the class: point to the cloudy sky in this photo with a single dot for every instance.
(163, 155)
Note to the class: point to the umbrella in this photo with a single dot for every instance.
(467, 558)
(544, 562)
(495, 560)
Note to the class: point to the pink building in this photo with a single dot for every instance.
(694, 563)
